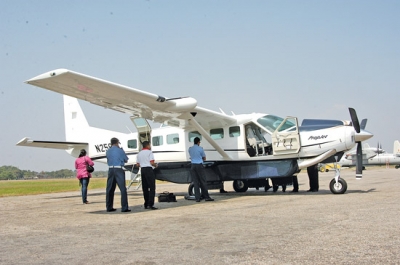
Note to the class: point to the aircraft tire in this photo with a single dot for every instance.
(338, 188)
(240, 185)
(191, 189)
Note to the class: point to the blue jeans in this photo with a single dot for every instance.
(84, 183)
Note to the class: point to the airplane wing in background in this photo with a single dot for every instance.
(53, 145)
(174, 111)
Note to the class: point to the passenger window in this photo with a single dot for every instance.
(132, 144)
(193, 135)
(157, 141)
(234, 131)
(217, 133)
(173, 138)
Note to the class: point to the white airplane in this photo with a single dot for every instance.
(247, 149)
(376, 156)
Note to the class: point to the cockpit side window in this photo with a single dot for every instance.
(270, 122)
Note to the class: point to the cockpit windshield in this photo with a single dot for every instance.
(271, 122)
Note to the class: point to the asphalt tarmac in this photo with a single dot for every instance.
(361, 226)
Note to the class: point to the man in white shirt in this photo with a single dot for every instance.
(145, 160)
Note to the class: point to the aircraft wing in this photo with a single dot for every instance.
(173, 111)
(53, 145)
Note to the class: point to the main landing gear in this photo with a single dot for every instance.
(240, 185)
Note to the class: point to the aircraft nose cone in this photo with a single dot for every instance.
(363, 136)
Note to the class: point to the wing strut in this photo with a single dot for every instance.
(203, 132)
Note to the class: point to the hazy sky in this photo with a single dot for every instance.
(309, 59)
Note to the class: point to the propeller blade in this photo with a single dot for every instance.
(363, 124)
(354, 120)
(359, 165)
(378, 149)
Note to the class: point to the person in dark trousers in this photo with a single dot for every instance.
(275, 186)
(295, 184)
(82, 174)
(222, 190)
(197, 156)
(312, 172)
(116, 159)
(145, 160)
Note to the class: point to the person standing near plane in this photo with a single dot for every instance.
(313, 178)
(145, 160)
(82, 174)
(295, 184)
(116, 159)
(197, 156)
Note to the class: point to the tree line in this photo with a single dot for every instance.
(14, 173)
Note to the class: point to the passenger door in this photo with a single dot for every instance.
(286, 139)
(143, 128)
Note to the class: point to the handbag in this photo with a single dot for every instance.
(89, 168)
(166, 197)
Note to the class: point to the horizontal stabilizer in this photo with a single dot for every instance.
(51, 144)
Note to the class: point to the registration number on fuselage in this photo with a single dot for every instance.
(101, 148)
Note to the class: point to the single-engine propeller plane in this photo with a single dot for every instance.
(247, 149)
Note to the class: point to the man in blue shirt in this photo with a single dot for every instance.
(197, 156)
(116, 159)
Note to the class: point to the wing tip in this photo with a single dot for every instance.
(48, 74)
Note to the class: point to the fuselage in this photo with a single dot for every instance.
(170, 144)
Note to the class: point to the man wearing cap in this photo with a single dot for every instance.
(116, 159)
(197, 156)
(145, 160)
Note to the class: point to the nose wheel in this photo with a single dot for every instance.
(338, 187)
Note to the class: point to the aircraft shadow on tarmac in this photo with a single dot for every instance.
(183, 202)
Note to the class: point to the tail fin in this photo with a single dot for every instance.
(75, 120)
(396, 148)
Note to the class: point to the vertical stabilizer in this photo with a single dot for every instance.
(396, 147)
(75, 120)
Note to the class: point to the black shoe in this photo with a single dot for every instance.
(152, 208)
(125, 211)
(145, 206)
(197, 200)
(111, 210)
(222, 191)
(295, 191)
(209, 200)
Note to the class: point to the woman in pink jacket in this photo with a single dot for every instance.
(82, 174)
